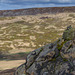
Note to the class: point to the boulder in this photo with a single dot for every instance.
(69, 33)
(56, 58)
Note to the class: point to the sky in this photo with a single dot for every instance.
(21, 4)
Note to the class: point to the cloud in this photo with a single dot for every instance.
(53, 1)
(63, 1)
(18, 4)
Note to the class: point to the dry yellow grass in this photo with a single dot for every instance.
(8, 64)
(30, 31)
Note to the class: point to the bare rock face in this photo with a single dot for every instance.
(56, 58)
(69, 33)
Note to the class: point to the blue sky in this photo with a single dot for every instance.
(19, 4)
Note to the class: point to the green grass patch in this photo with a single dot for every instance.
(72, 15)
(6, 18)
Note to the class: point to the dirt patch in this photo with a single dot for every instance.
(8, 64)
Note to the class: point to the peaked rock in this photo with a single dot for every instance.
(57, 58)
(69, 33)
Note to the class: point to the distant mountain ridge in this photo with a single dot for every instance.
(34, 11)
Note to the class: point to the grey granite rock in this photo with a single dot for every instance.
(56, 58)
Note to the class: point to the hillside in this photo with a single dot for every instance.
(34, 11)
(21, 34)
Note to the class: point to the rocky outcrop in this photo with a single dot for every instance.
(56, 58)
(20, 70)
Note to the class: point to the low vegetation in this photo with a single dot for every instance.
(6, 18)
(22, 34)
(31, 31)
(72, 15)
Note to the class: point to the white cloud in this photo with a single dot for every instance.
(24, 0)
(65, 1)
(18, 4)
(57, 1)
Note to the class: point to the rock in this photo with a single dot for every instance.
(69, 33)
(32, 56)
(56, 58)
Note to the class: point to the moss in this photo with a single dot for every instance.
(69, 34)
(54, 59)
(7, 18)
(59, 55)
(41, 49)
(64, 59)
(60, 46)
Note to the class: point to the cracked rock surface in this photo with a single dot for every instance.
(56, 58)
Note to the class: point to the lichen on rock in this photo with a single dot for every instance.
(56, 58)
(69, 33)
